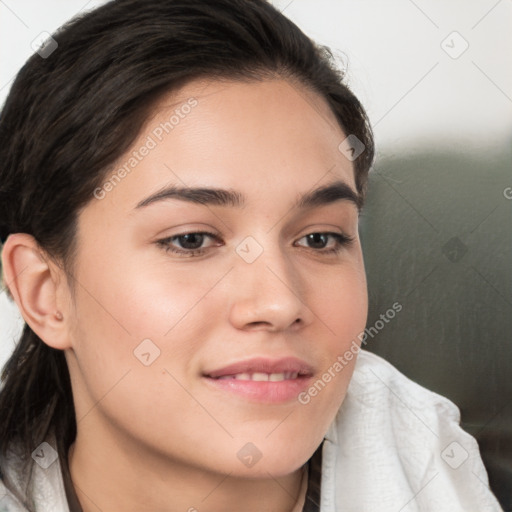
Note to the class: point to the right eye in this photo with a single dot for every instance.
(190, 244)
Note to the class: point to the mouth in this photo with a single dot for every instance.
(262, 377)
(262, 380)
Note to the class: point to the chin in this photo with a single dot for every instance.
(259, 459)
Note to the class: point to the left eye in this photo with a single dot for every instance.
(190, 240)
(325, 241)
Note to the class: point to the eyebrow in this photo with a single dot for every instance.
(337, 191)
(199, 195)
(325, 195)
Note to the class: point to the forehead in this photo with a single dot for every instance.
(268, 139)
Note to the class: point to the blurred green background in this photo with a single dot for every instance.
(437, 237)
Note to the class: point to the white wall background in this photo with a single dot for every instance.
(405, 64)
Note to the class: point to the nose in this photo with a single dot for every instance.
(268, 294)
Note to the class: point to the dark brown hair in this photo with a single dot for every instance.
(71, 115)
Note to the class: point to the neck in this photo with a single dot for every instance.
(116, 475)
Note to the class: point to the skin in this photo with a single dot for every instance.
(158, 437)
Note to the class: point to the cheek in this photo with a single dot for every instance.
(340, 304)
(138, 298)
(120, 307)
(138, 331)
(340, 307)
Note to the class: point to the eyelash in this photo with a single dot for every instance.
(342, 241)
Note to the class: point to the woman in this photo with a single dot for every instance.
(180, 184)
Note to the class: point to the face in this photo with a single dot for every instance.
(219, 276)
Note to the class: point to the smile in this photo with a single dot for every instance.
(262, 380)
(262, 377)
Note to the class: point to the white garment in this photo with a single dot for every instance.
(393, 447)
(398, 447)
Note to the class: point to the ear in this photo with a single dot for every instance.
(36, 284)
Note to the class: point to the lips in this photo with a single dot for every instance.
(258, 368)
(262, 377)
(261, 380)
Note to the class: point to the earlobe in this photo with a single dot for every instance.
(33, 284)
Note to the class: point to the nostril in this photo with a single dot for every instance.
(258, 324)
(298, 322)
(271, 326)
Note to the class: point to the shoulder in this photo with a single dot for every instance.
(10, 485)
(8, 503)
(376, 383)
(394, 442)
(33, 485)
